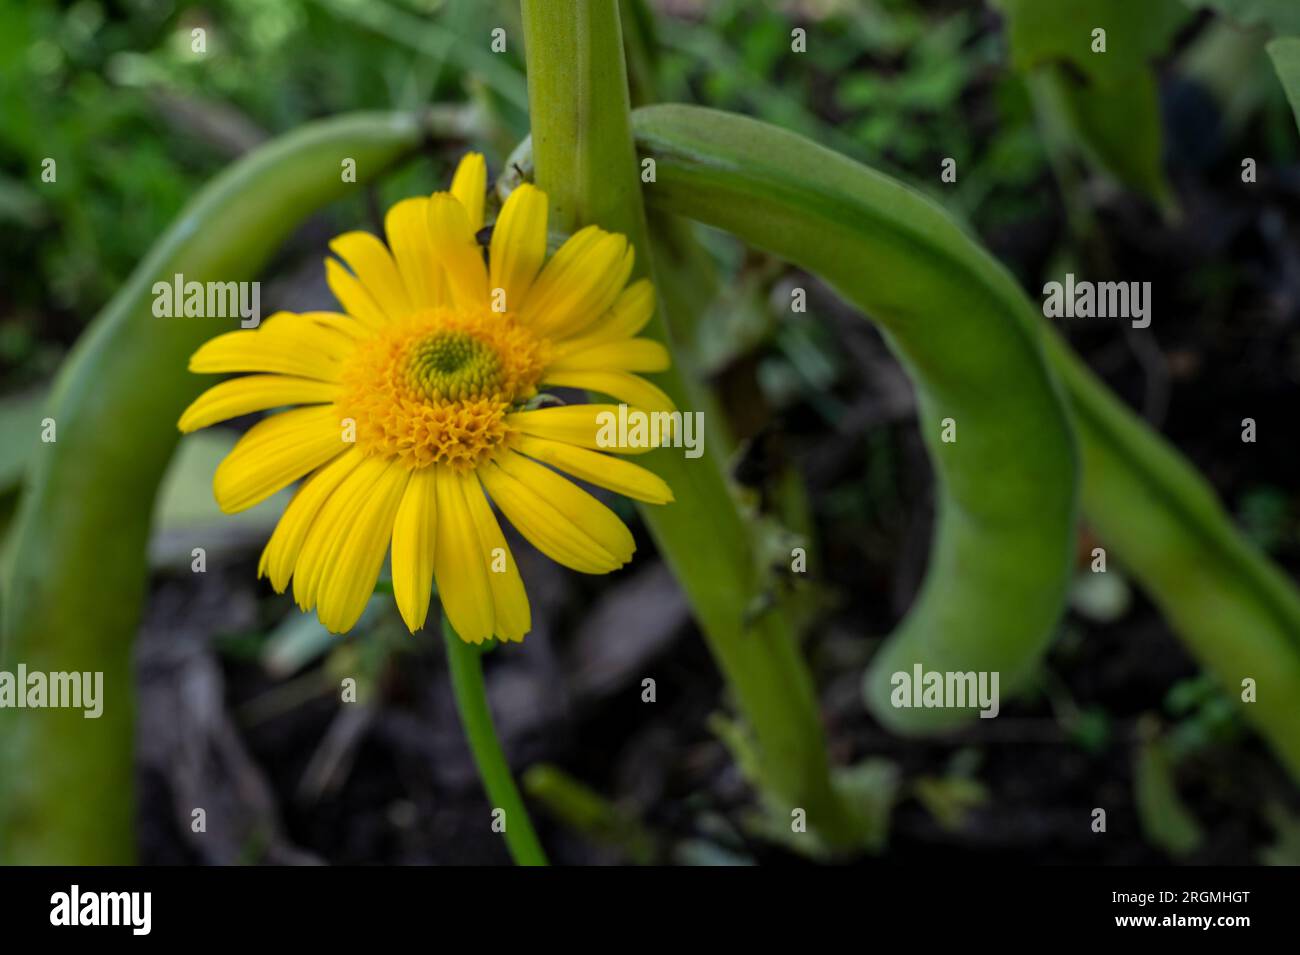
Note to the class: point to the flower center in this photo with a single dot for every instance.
(454, 366)
(435, 388)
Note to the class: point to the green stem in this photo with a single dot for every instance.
(465, 661)
(586, 163)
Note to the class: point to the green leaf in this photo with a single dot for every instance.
(1110, 110)
(949, 799)
(1118, 129)
(1285, 850)
(20, 433)
(186, 514)
(1286, 58)
(1280, 16)
(297, 640)
(1165, 818)
(21, 205)
(588, 813)
(436, 41)
(871, 788)
(868, 790)
(1042, 33)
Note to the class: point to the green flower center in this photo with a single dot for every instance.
(455, 366)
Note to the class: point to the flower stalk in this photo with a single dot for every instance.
(465, 661)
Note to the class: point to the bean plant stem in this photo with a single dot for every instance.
(586, 163)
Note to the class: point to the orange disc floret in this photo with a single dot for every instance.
(435, 388)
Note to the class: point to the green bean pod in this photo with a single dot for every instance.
(76, 571)
(991, 414)
(1238, 614)
(899, 258)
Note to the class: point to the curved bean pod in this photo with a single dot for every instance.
(898, 257)
(76, 569)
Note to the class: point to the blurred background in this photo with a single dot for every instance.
(238, 705)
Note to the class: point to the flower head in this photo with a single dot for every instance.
(410, 411)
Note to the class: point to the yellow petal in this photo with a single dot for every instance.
(518, 244)
(332, 334)
(276, 452)
(469, 185)
(344, 325)
(599, 523)
(620, 385)
(579, 284)
(330, 528)
(414, 537)
(241, 396)
(459, 563)
(350, 577)
(281, 552)
(371, 263)
(456, 248)
(630, 313)
(356, 301)
(545, 527)
(257, 350)
(572, 424)
(623, 477)
(631, 354)
(510, 601)
(407, 228)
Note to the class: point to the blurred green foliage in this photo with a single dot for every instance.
(1285, 52)
(136, 121)
(1135, 33)
(897, 83)
(1281, 16)
(1092, 60)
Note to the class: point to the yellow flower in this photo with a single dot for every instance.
(414, 417)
